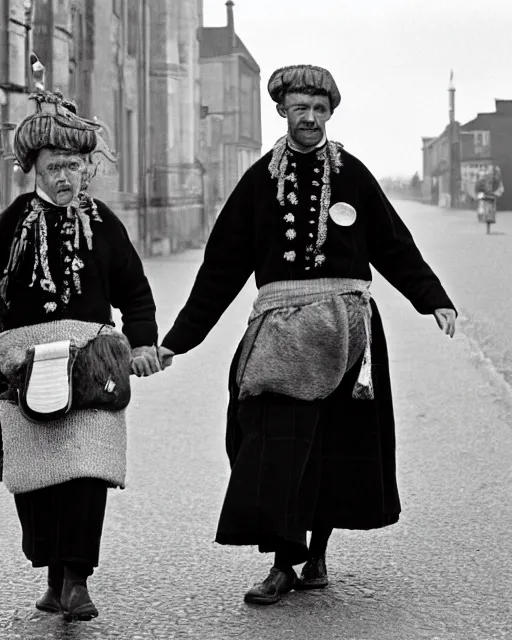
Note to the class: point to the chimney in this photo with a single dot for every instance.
(451, 91)
(504, 107)
(231, 24)
(200, 12)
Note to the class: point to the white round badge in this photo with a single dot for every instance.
(343, 214)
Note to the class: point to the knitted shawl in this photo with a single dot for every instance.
(30, 244)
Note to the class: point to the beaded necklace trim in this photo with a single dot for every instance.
(32, 235)
(330, 156)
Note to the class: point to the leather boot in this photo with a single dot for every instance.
(313, 575)
(50, 600)
(270, 591)
(75, 599)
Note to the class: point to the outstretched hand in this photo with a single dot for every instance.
(446, 319)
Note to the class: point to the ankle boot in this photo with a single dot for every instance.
(50, 600)
(314, 574)
(272, 589)
(75, 599)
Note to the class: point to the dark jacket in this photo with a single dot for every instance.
(331, 462)
(113, 276)
(249, 237)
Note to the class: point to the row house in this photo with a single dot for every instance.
(487, 140)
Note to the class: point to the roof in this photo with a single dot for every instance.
(430, 141)
(215, 42)
(483, 120)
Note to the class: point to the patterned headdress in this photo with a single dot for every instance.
(303, 78)
(54, 123)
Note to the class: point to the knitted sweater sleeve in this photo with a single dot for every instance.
(129, 287)
(228, 262)
(393, 252)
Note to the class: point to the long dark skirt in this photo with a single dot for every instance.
(300, 465)
(63, 523)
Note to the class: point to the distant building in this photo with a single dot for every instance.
(486, 140)
(436, 170)
(441, 161)
(453, 160)
(231, 115)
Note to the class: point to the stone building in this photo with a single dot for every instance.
(231, 114)
(149, 71)
(92, 58)
(15, 46)
(177, 202)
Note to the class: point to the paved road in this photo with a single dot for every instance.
(444, 572)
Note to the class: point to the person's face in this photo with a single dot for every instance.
(307, 116)
(59, 175)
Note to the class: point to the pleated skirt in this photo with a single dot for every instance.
(298, 465)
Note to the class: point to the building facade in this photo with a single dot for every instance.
(177, 192)
(453, 160)
(15, 47)
(231, 113)
(178, 102)
(487, 140)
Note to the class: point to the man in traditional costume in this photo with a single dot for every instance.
(310, 433)
(65, 260)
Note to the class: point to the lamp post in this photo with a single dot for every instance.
(454, 150)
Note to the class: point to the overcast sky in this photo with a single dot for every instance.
(391, 60)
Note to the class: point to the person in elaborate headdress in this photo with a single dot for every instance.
(310, 434)
(65, 261)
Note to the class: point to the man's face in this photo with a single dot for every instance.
(307, 116)
(59, 175)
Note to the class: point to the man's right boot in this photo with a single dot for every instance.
(272, 588)
(75, 599)
(50, 600)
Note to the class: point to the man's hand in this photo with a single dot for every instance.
(445, 319)
(166, 356)
(145, 361)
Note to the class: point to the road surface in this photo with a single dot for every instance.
(444, 572)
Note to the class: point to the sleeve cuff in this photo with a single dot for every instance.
(141, 334)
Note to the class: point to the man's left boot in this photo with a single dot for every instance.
(75, 599)
(50, 600)
(313, 575)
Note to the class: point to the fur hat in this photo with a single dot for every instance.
(54, 124)
(303, 78)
